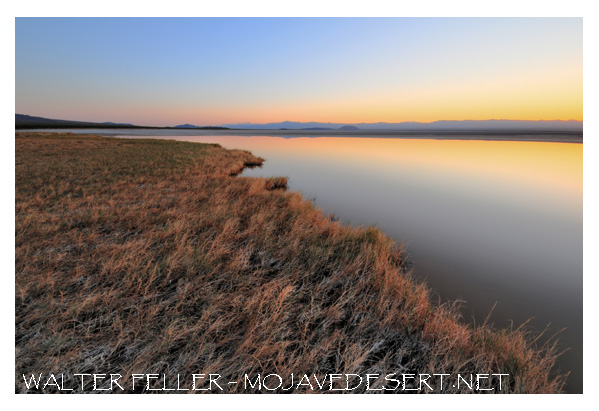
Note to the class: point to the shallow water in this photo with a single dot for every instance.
(484, 221)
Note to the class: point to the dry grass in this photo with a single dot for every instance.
(137, 256)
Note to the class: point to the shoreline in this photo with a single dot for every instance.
(515, 135)
(246, 270)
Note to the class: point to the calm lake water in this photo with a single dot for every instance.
(484, 221)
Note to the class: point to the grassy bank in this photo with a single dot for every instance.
(150, 256)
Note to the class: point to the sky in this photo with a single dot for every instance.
(212, 71)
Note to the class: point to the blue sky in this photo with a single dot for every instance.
(163, 71)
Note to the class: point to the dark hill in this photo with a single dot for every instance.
(24, 121)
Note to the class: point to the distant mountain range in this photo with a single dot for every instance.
(200, 127)
(23, 121)
(443, 125)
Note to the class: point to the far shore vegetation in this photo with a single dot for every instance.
(137, 256)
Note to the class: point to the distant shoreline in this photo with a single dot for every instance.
(491, 135)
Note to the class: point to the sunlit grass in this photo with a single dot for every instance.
(137, 256)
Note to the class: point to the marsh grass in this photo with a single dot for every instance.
(138, 256)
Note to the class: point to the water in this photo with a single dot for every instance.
(484, 221)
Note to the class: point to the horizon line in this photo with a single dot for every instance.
(404, 121)
(307, 122)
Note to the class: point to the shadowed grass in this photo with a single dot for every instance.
(137, 256)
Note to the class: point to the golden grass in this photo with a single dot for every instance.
(138, 256)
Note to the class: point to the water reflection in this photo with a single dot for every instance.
(485, 221)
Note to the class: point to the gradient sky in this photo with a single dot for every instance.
(210, 71)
